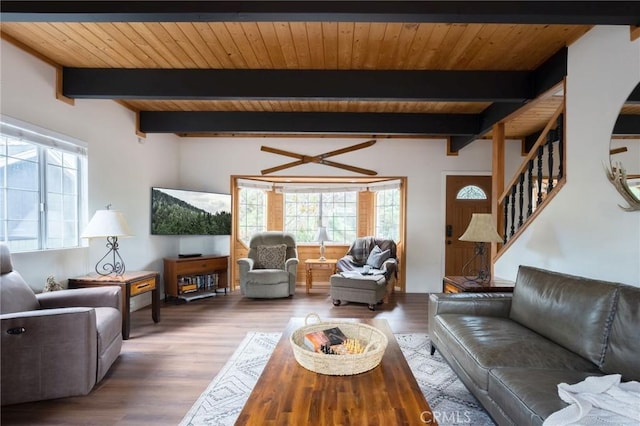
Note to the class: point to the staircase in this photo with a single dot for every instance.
(535, 183)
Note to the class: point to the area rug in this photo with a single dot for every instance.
(222, 401)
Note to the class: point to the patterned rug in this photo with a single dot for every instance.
(222, 401)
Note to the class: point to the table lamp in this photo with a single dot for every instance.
(321, 237)
(480, 231)
(109, 224)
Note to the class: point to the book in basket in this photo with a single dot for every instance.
(335, 336)
(315, 340)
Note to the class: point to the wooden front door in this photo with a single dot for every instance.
(464, 197)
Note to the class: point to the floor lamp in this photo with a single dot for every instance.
(480, 231)
(109, 224)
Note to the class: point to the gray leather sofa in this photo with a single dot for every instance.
(54, 344)
(511, 351)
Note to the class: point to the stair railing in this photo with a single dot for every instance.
(538, 179)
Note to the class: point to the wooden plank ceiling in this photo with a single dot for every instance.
(365, 68)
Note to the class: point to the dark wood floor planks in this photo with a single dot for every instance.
(164, 367)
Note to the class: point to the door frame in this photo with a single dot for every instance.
(443, 209)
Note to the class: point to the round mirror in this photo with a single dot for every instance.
(624, 172)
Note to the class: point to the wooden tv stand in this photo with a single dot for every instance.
(190, 278)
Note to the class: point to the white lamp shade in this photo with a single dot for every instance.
(481, 229)
(107, 223)
(321, 235)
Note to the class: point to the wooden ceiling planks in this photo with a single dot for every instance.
(309, 106)
(295, 45)
(531, 119)
(301, 45)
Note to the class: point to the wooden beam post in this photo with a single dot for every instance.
(497, 182)
(59, 95)
(635, 32)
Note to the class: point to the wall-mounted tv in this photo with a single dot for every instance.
(184, 212)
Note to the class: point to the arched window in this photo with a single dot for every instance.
(471, 192)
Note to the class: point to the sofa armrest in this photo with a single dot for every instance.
(390, 266)
(95, 297)
(484, 304)
(291, 265)
(245, 264)
(55, 356)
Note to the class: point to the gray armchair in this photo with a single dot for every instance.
(359, 255)
(269, 270)
(54, 344)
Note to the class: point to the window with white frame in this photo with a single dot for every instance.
(304, 212)
(388, 214)
(252, 215)
(41, 187)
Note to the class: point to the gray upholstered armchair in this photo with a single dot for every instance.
(269, 270)
(379, 254)
(54, 344)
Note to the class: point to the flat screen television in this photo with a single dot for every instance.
(184, 212)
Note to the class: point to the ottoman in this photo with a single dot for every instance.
(369, 289)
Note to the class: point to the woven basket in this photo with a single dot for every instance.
(374, 340)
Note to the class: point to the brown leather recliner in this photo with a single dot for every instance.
(55, 344)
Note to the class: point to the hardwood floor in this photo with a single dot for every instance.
(164, 367)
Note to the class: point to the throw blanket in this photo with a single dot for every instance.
(359, 252)
(360, 249)
(598, 401)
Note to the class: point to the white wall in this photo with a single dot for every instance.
(207, 163)
(121, 169)
(583, 231)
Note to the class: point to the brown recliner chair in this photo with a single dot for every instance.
(55, 344)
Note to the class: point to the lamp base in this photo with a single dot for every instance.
(483, 273)
(322, 251)
(103, 267)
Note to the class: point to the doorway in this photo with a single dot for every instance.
(465, 195)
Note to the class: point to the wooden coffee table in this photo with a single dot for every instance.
(289, 394)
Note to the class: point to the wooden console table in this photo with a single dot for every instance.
(131, 284)
(456, 284)
(311, 264)
(288, 394)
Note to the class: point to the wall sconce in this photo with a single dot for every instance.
(480, 231)
(321, 237)
(109, 224)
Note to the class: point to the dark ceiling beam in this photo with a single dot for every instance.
(551, 72)
(490, 116)
(634, 97)
(307, 123)
(627, 125)
(545, 77)
(353, 85)
(520, 12)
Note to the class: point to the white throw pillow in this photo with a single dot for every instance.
(377, 257)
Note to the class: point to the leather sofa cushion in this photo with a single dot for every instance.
(623, 352)
(572, 311)
(528, 396)
(481, 343)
